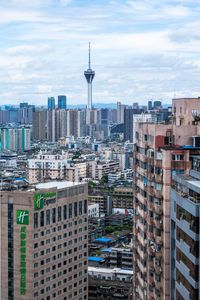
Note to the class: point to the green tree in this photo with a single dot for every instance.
(109, 229)
(104, 179)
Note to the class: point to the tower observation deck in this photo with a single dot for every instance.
(89, 75)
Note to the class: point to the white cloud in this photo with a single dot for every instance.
(140, 49)
(28, 49)
(65, 2)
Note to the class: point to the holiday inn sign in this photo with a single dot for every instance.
(22, 218)
(43, 198)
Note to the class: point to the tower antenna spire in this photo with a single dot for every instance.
(89, 62)
(89, 75)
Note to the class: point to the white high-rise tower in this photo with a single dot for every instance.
(89, 75)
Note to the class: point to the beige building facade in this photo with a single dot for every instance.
(161, 150)
(43, 251)
(54, 166)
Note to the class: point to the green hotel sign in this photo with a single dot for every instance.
(22, 218)
(23, 261)
(41, 199)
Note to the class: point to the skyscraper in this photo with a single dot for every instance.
(38, 126)
(150, 105)
(89, 75)
(51, 103)
(62, 102)
(120, 112)
(51, 125)
(128, 124)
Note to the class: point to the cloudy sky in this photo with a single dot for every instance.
(141, 50)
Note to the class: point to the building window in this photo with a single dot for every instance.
(75, 209)
(35, 220)
(59, 213)
(70, 210)
(177, 156)
(85, 206)
(65, 212)
(48, 217)
(53, 215)
(80, 208)
(41, 218)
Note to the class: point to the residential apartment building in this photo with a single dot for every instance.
(44, 240)
(54, 166)
(160, 151)
(185, 208)
(120, 258)
(122, 197)
(110, 284)
(47, 166)
(102, 168)
(16, 139)
(101, 200)
(39, 126)
(93, 210)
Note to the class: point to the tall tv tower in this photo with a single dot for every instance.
(89, 75)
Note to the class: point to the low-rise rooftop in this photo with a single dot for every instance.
(56, 184)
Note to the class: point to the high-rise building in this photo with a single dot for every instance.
(113, 116)
(128, 124)
(142, 118)
(51, 103)
(5, 117)
(15, 139)
(24, 113)
(150, 105)
(38, 126)
(160, 151)
(135, 105)
(75, 123)
(120, 112)
(62, 102)
(89, 75)
(44, 241)
(62, 123)
(104, 121)
(185, 244)
(51, 125)
(157, 104)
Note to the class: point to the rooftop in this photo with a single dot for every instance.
(103, 240)
(109, 271)
(96, 259)
(188, 98)
(196, 183)
(56, 184)
(107, 250)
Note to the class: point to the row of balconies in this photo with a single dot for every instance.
(142, 254)
(142, 268)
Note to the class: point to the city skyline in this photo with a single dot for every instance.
(140, 51)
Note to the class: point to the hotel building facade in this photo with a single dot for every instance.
(44, 242)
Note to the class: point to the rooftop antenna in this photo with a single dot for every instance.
(89, 62)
